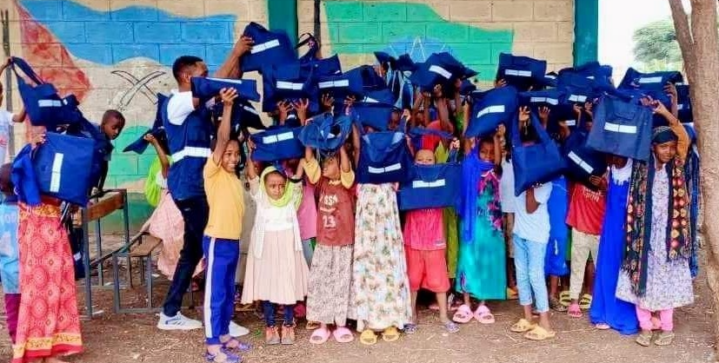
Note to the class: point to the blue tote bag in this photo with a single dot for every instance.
(277, 143)
(621, 128)
(325, 132)
(384, 157)
(684, 104)
(491, 109)
(41, 101)
(206, 88)
(431, 186)
(537, 163)
(649, 81)
(521, 72)
(63, 167)
(582, 162)
(270, 48)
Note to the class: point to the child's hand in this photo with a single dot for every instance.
(284, 108)
(577, 110)
(437, 91)
(150, 138)
(501, 131)
(327, 101)
(588, 108)
(523, 115)
(544, 114)
(598, 182)
(301, 106)
(38, 138)
(250, 144)
(500, 83)
(228, 95)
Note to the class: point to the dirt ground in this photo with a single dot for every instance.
(111, 338)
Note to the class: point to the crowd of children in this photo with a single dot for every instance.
(327, 237)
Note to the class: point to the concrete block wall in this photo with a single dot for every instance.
(476, 31)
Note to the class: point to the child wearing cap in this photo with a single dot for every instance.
(331, 272)
(221, 243)
(9, 264)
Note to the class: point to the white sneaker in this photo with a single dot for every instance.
(237, 330)
(178, 322)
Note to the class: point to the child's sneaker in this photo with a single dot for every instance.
(237, 330)
(288, 335)
(177, 322)
(272, 336)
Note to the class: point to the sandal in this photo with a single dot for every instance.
(288, 335)
(320, 336)
(272, 336)
(483, 315)
(463, 315)
(602, 326)
(390, 334)
(586, 302)
(451, 327)
(223, 356)
(312, 325)
(410, 328)
(574, 311)
(343, 335)
(644, 339)
(564, 298)
(368, 337)
(664, 338)
(556, 305)
(235, 344)
(539, 334)
(522, 326)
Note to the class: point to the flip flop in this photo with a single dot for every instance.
(574, 311)
(320, 336)
(539, 334)
(238, 345)
(522, 326)
(602, 326)
(483, 315)
(368, 337)
(463, 315)
(644, 339)
(451, 327)
(557, 306)
(410, 328)
(585, 302)
(664, 338)
(390, 334)
(343, 335)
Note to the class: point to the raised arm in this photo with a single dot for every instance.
(164, 161)
(231, 67)
(228, 96)
(356, 144)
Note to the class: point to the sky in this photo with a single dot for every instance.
(617, 21)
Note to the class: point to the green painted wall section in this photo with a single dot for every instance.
(282, 15)
(357, 27)
(586, 31)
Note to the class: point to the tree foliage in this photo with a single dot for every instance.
(656, 42)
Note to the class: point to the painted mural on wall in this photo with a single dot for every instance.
(361, 27)
(117, 59)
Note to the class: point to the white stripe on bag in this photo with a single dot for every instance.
(490, 109)
(235, 81)
(207, 306)
(624, 129)
(289, 85)
(577, 98)
(423, 184)
(56, 172)
(257, 48)
(251, 110)
(682, 107)
(334, 84)
(386, 169)
(517, 73)
(571, 122)
(191, 152)
(441, 71)
(49, 103)
(551, 101)
(271, 139)
(369, 100)
(645, 80)
(581, 163)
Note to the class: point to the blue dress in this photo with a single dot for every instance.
(606, 307)
(555, 260)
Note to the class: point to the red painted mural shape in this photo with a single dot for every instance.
(49, 58)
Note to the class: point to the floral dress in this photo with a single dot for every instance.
(380, 296)
(481, 268)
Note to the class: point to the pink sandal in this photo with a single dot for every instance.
(574, 311)
(320, 336)
(343, 335)
(463, 315)
(483, 315)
